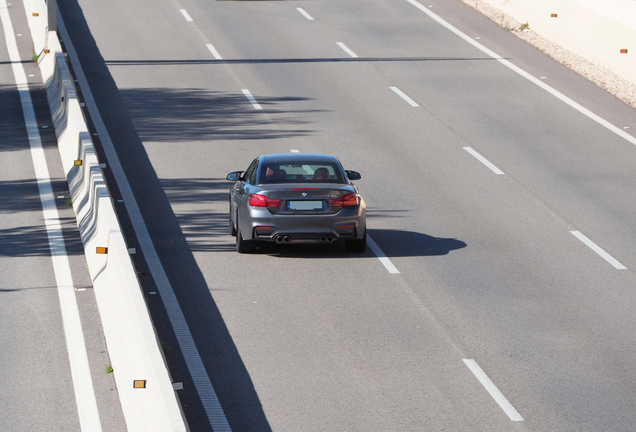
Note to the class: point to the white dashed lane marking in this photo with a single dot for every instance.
(483, 160)
(607, 257)
(305, 14)
(214, 52)
(186, 15)
(347, 50)
(405, 97)
(250, 98)
(501, 400)
(386, 262)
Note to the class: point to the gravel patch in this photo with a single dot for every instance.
(602, 77)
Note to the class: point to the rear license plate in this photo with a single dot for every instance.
(304, 205)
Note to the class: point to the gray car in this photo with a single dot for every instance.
(296, 198)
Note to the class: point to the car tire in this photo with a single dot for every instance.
(232, 227)
(357, 245)
(243, 246)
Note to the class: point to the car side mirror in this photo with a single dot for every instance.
(234, 176)
(353, 175)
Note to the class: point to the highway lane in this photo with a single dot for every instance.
(32, 330)
(488, 267)
(38, 392)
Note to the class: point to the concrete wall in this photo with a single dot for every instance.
(596, 30)
(133, 345)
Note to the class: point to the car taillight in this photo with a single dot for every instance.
(345, 201)
(257, 200)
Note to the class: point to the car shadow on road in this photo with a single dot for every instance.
(398, 243)
(393, 243)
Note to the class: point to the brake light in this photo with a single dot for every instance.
(345, 201)
(257, 200)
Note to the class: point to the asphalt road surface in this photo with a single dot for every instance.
(40, 382)
(505, 213)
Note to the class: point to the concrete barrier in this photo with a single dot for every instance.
(597, 31)
(133, 345)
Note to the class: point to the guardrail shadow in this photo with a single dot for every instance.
(183, 109)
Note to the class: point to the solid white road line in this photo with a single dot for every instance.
(526, 75)
(510, 411)
(483, 160)
(347, 50)
(305, 14)
(405, 97)
(250, 98)
(381, 256)
(214, 52)
(189, 350)
(78, 359)
(607, 257)
(186, 15)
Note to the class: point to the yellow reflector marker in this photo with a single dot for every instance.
(77, 163)
(102, 250)
(139, 384)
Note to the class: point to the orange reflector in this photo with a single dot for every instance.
(553, 15)
(624, 51)
(102, 250)
(36, 14)
(46, 51)
(139, 383)
(77, 163)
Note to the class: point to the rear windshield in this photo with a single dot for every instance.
(299, 172)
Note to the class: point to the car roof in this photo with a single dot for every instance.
(296, 157)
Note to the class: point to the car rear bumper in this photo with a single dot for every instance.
(347, 223)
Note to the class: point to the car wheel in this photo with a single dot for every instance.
(357, 245)
(243, 246)
(232, 227)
